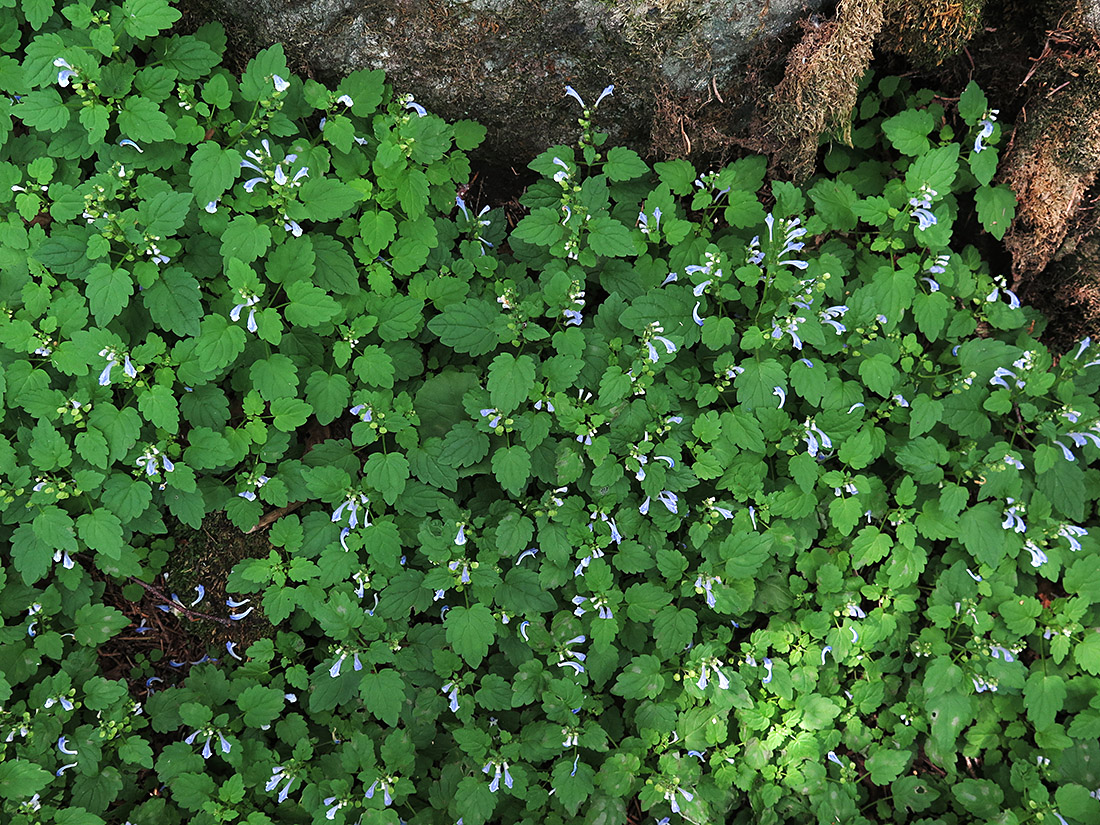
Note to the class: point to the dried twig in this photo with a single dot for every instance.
(194, 615)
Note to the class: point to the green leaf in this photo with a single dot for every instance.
(980, 797)
(174, 302)
(468, 134)
(328, 395)
(48, 449)
(101, 531)
(141, 120)
(374, 367)
(886, 764)
(608, 237)
(309, 306)
(274, 377)
(641, 679)
(870, 546)
(326, 199)
(387, 473)
(42, 110)
(1087, 652)
(165, 212)
(996, 208)
(511, 380)
(213, 170)
(289, 413)
(835, 203)
(470, 631)
(158, 407)
(908, 132)
(377, 230)
(879, 374)
(756, 385)
(624, 164)
(219, 343)
(973, 104)
(32, 556)
(96, 623)
(470, 328)
(108, 292)
(125, 497)
(383, 694)
(260, 705)
(572, 787)
(20, 779)
(936, 169)
(678, 174)
(145, 18)
(541, 227)
(673, 629)
(981, 534)
(245, 238)
(512, 468)
(54, 528)
(1044, 696)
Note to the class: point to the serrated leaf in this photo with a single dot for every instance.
(388, 474)
(96, 623)
(108, 292)
(908, 131)
(383, 694)
(469, 328)
(101, 531)
(511, 380)
(470, 631)
(512, 468)
(624, 164)
(609, 237)
(260, 705)
(1045, 694)
(996, 208)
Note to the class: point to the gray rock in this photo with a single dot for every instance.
(505, 63)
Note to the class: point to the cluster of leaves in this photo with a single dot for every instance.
(668, 498)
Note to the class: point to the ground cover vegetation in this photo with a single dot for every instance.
(687, 497)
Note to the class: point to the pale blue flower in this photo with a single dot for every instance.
(669, 499)
(451, 690)
(416, 107)
(128, 142)
(280, 84)
(1012, 518)
(644, 509)
(987, 129)
(997, 651)
(64, 768)
(231, 649)
(346, 100)
(778, 391)
(832, 757)
(63, 76)
(61, 746)
(569, 90)
(1070, 533)
(825, 650)
(670, 795)
(1065, 451)
(973, 575)
(1081, 439)
(855, 635)
(768, 668)
(238, 616)
(529, 553)
(523, 630)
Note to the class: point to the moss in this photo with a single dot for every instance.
(928, 33)
(1055, 157)
(819, 88)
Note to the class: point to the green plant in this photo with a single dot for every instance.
(665, 500)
